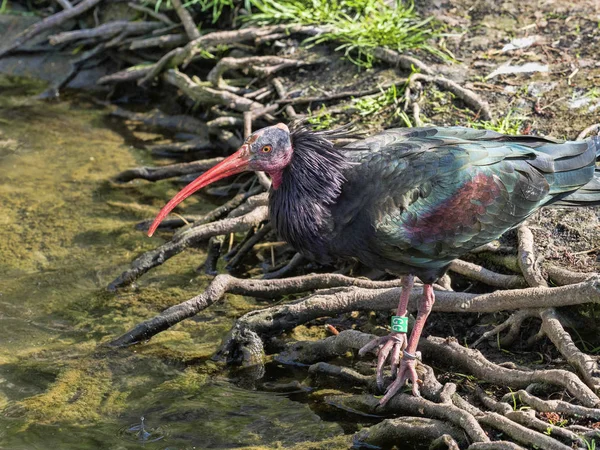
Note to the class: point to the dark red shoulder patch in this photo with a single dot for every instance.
(457, 213)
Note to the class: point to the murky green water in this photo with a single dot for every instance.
(65, 232)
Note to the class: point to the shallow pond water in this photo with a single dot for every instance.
(65, 232)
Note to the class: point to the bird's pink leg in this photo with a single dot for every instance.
(394, 343)
(407, 369)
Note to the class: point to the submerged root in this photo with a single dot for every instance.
(409, 429)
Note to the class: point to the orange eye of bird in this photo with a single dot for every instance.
(266, 149)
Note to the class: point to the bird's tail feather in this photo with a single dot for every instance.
(589, 194)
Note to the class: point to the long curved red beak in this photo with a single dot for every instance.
(236, 163)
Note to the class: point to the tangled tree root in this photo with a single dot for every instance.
(523, 426)
(450, 415)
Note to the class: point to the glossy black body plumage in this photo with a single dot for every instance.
(411, 200)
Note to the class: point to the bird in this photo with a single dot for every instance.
(407, 201)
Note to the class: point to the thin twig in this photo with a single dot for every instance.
(151, 13)
(343, 94)
(105, 31)
(281, 92)
(49, 22)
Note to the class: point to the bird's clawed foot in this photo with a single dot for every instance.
(406, 372)
(390, 346)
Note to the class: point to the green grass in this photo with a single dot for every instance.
(509, 124)
(590, 444)
(388, 101)
(321, 119)
(391, 97)
(359, 26)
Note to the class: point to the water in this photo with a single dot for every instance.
(65, 232)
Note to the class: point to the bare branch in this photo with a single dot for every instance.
(186, 19)
(105, 31)
(151, 13)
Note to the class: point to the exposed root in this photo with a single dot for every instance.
(444, 442)
(470, 98)
(496, 445)
(522, 426)
(558, 406)
(293, 264)
(311, 352)
(170, 171)
(258, 65)
(520, 433)
(343, 94)
(245, 249)
(595, 128)
(48, 23)
(417, 114)
(130, 74)
(409, 431)
(556, 275)
(343, 374)
(449, 351)
(212, 255)
(551, 325)
(370, 296)
(216, 214)
(192, 236)
(166, 41)
(526, 258)
(403, 61)
(478, 273)
(585, 365)
(281, 92)
(562, 277)
(489, 247)
(513, 323)
(251, 203)
(184, 55)
(528, 419)
(284, 317)
(186, 19)
(203, 93)
(408, 405)
(227, 284)
(105, 31)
